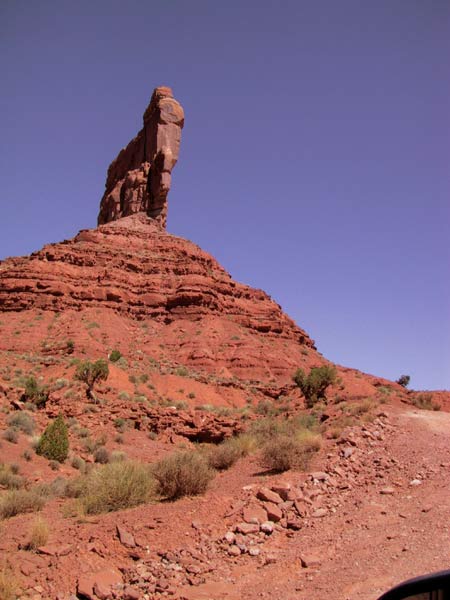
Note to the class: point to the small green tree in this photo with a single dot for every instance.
(90, 373)
(314, 385)
(54, 442)
(404, 380)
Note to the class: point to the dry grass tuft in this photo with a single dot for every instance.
(39, 534)
(9, 479)
(425, 402)
(16, 502)
(9, 585)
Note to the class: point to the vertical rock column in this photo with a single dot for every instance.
(139, 178)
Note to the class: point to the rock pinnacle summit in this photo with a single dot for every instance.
(139, 178)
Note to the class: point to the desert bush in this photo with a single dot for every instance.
(34, 392)
(286, 452)
(360, 408)
(181, 371)
(39, 534)
(21, 421)
(61, 383)
(246, 443)
(91, 373)
(115, 355)
(314, 385)
(114, 486)
(183, 473)
(78, 463)
(101, 455)
(11, 435)
(223, 456)
(54, 442)
(27, 455)
(16, 502)
(404, 380)
(266, 429)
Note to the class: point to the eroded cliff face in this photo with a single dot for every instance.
(139, 178)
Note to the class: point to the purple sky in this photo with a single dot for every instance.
(315, 158)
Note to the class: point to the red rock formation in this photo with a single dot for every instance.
(133, 268)
(139, 178)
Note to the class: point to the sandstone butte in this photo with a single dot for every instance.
(202, 357)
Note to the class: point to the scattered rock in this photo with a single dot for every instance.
(269, 496)
(247, 528)
(126, 538)
(229, 537)
(283, 489)
(234, 550)
(102, 580)
(274, 513)
(254, 514)
(309, 561)
(267, 527)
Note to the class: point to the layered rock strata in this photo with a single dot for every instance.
(139, 178)
(136, 268)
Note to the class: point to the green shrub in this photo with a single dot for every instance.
(182, 474)
(16, 502)
(34, 392)
(115, 486)
(21, 421)
(314, 385)
(404, 380)
(54, 442)
(92, 372)
(115, 355)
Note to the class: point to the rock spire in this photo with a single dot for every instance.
(139, 178)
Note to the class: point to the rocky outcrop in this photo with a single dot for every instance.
(133, 269)
(139, 178)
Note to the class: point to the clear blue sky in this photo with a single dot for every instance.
(315, 159)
